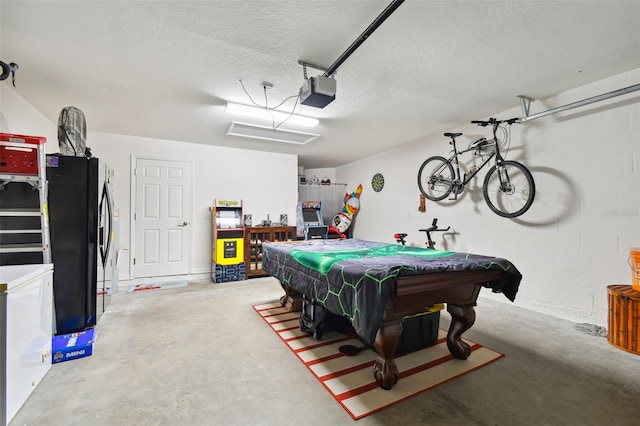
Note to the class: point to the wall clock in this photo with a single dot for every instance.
(377, 182)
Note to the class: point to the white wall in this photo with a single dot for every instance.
(266, 182)
(575, 239)
(19, 117)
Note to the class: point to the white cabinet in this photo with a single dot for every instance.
(26, 328)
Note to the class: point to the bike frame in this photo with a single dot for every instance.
(454, 158)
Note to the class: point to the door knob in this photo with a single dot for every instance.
(183, 224)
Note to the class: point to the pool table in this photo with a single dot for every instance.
(376, 285)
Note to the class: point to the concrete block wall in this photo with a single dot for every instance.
(575, 239)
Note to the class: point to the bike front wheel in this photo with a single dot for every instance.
(509, 189)
(435, 178)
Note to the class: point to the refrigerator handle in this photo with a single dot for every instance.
(104, 251)
(109, 223)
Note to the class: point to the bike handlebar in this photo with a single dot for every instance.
(494, 121)
(434, 228)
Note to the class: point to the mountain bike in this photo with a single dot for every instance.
(508, 186)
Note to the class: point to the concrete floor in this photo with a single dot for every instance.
(200, 355)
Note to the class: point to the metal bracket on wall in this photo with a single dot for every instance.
(525, 102)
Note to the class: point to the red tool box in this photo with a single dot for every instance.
(20, 156)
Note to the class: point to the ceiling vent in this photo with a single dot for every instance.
(268, 133)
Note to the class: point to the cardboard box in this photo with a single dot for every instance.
(72, 346)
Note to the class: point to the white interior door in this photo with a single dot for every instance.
(163, 210)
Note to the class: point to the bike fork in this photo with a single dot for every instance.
(503, 176)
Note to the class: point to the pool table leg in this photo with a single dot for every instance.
(385, 370)
(462, 318)
(292, 299)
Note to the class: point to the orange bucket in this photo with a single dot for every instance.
(634, 262)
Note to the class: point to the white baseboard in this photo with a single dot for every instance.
(125, 282)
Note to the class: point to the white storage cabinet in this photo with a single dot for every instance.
(26, 328)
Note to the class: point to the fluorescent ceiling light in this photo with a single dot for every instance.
(271, 115)
(267, 133)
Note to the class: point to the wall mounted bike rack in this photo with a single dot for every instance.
(525, 102)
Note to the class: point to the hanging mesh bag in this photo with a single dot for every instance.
(72, 132)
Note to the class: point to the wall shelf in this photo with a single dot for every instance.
(254, 237)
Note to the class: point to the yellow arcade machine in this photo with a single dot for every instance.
(227, 257)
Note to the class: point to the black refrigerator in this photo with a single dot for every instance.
(80, 205)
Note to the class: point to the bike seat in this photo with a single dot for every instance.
(453, 135)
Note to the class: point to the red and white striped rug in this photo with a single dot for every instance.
(349, 379)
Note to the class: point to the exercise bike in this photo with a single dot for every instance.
(400, 237)
(433, 228)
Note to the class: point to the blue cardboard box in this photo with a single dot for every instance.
(72, 346)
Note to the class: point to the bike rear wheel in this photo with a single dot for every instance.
(509, 189)
(435, 178)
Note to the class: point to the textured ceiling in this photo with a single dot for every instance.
(165, 69)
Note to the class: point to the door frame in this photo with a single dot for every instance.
(132, 209)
